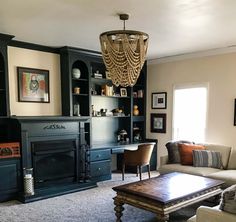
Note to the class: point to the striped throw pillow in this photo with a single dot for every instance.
(207, 158)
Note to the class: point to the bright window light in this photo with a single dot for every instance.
(189, 113)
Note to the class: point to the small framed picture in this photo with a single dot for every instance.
(33, 85)
(158, 122)
(123, 92)
(108, 76)
(159, 100)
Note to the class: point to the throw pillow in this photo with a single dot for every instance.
(173, 150)
(186, 152)
(228, 200)
(207, 158)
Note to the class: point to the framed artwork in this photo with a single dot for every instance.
(33, 85)
(158, 122)
(123, 92)
(159, 100)
(108, 75)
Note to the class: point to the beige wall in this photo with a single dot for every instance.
(40, 60)
(220, 72)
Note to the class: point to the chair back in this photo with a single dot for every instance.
(141, 156)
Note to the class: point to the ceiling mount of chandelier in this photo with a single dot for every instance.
(124, 52)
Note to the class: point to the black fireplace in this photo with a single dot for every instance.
(54, 162)
(57, 148)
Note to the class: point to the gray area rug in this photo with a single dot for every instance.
(86, 206)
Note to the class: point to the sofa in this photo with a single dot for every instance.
(224, 212)
(212, 214)
(227, 173)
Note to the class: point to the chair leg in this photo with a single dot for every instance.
(123, 171)
(149, 173)
(137, 171)
(140, 172)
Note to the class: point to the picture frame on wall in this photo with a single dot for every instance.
(159, 100)
(158, 122)
(33, 85)
(123, 92)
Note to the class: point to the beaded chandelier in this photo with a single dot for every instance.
(124, 53)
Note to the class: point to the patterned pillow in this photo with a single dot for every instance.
(173, 150)
(228, 200)
(186, 152)
(207, 158)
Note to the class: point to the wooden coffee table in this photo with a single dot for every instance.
(165, 193)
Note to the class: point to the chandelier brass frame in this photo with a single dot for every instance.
(124, 53)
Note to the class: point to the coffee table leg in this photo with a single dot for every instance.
(163, 218)
(118, 209)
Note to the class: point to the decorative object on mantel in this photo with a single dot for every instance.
(159, 100)
(124, 53)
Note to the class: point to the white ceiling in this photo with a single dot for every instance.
(174, 26)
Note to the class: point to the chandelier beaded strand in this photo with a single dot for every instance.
(124, 53)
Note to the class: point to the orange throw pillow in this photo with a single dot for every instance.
(186, 152)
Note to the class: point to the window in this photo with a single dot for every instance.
(189, 112)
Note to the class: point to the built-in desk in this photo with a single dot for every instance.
(101, 158)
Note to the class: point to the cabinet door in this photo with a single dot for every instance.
(100, 170)
(9, 173)
(96, 155)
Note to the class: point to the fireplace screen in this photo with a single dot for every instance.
(54, 162)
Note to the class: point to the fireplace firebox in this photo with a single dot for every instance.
(54, 162)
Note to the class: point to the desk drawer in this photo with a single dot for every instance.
(96, 155)
(100, 168)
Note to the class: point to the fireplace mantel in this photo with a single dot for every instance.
(49, 118)
(31, 130)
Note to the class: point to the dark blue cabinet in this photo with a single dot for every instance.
(10, 178)
(100, 165)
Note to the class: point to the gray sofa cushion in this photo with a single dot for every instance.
(228, 200)
(207, 158)
(173, 150)
(224, 150)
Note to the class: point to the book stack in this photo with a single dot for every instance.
(107, 90)
(97, 75)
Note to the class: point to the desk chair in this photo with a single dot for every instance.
(139, 158)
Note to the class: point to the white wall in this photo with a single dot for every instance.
(40, 60)
(220, 72)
